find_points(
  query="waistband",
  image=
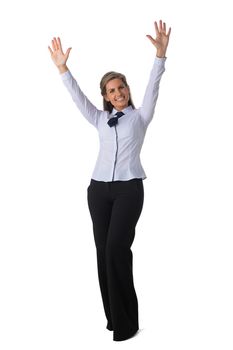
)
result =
(117, 181)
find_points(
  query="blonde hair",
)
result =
(106, 78)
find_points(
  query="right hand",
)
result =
(57, 55)
(161, 40)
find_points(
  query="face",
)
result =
(117, 93)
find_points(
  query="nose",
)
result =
(118, 93)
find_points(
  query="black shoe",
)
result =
(109, 327)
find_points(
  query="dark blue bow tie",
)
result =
(113, 121)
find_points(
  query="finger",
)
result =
(169, 32)
(59, 44)
(55, 43)
(164, 27)
(50, 50)
(156, 28)
(160, 25)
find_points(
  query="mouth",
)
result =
(120, 99)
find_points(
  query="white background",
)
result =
(49, 293)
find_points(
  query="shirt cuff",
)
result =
(66, 75)
(160, 59)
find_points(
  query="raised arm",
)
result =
(151, 94)
(89, 111)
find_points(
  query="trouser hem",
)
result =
(118, 337)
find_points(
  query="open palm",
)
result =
(57, 54)
(162, 38)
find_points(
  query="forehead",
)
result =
(114, 83)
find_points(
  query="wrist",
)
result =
(161, 53)
(63, 68)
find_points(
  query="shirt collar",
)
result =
(125, 110)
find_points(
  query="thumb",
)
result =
(68, 52)
(150, 38)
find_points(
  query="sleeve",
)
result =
(88, 110)
(151, 94)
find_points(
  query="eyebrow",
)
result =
(121, 85)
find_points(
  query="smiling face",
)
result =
(117, 93)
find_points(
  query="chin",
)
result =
(121, 107)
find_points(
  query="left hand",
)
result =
(161, 40)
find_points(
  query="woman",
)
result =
(115, 194)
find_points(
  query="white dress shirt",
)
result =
(120, 145)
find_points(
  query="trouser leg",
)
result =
(100, 208)
(126, 211)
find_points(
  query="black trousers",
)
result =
(115, 208)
